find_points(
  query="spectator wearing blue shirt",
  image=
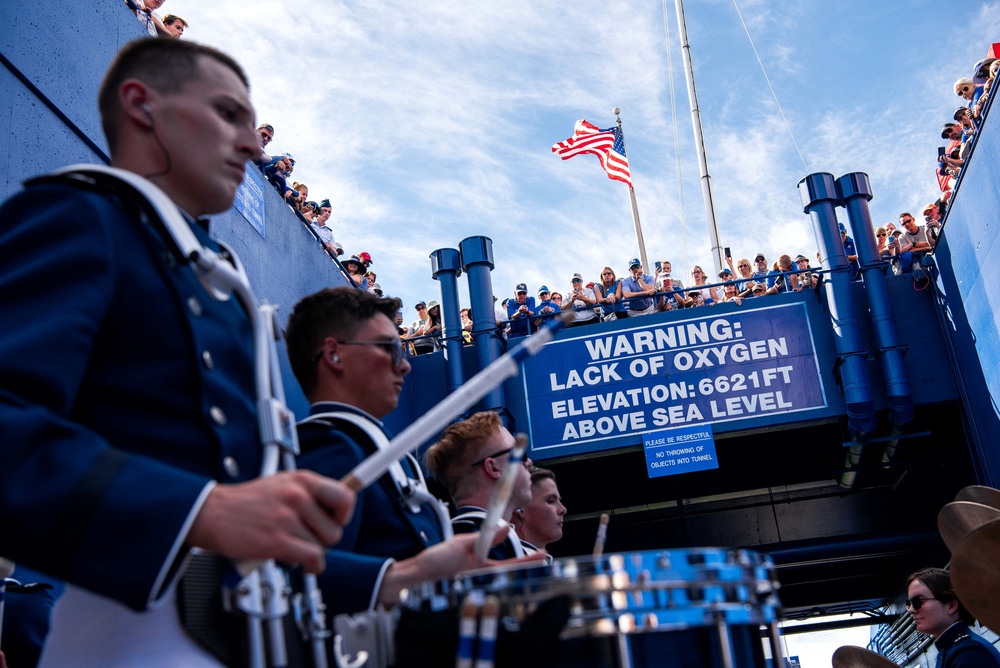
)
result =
(762, 274)
(546, 307)
(785, 281)
(640, 288)
(519, 312)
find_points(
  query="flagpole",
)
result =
(635, 208)
(699, 139)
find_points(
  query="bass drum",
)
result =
(688, 608)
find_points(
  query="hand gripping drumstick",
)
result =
(439, 417)
(500, 497)
(602, 535)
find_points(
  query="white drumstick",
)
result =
(500, 497)
(602, 535)
(439, 417)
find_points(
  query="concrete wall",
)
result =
(62, 49)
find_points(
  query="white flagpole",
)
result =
(631, 196)
(699, 140)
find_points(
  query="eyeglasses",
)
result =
(743, 266)
(526, 463)
(578, 280)
(393, 347)
(907, 222)
(881, 235)
(917, 601)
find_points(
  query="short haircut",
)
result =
(784, 260)
(452, 456)
(165, 65)
(907, 214)
(336, 312)
(938, 581)
(538, 474)
(170, 19)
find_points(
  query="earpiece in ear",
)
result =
(148, 110)
(335, 358)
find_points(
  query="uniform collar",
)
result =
(332, 406)
(952, 635)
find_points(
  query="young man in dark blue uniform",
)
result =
(469, 460)
(345, 350)
(126, 388)
(937, 611)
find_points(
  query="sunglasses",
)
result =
(393, 347)
(577, 280)
(500, 453)
(743, 266)
(917, 601)
(880, 235)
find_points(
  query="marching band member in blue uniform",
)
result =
(937, 611)
(126, 388)
(469, 459)
(345, 350)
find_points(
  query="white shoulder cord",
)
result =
(413, 492)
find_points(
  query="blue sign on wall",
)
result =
(680, 450)
(250, 198)
(602, 391)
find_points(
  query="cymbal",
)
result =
(958, 518)
(849, 656)
(987, 496)
(975, 573)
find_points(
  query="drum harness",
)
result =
(259, 590)
(368, 636)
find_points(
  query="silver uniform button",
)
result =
(232, 468)
(194, 306)
(218, 415)
(206, 358)
(423, 536)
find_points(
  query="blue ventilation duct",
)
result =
(446, 266)
(855, 192)
(819, 197)
(477, 261)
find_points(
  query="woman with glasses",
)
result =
(936, 611)
(709, 295)
(609, 295)
(744, 271)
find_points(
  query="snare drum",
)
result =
(689, 607)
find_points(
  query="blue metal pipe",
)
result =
(446, 266)
(855, 192)
(477, 261)
(819, 197)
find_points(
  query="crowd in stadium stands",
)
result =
(636, 293)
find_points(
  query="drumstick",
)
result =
(488, 632)
(602, 535)
(6, 569)
(500, 497)
(466, 634)
(439, 417)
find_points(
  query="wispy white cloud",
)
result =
(429, 122)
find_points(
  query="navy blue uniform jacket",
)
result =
(381, 529)
(123, 388)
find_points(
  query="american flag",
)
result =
(608, 145)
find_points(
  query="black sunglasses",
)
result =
(917, 601)
(393, 347)
(499, 453)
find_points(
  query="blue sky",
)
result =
(429, 122)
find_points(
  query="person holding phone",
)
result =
(576, 299)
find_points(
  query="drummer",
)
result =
(936, 610)
(345, 350)
(469, 460)
(540, 521)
